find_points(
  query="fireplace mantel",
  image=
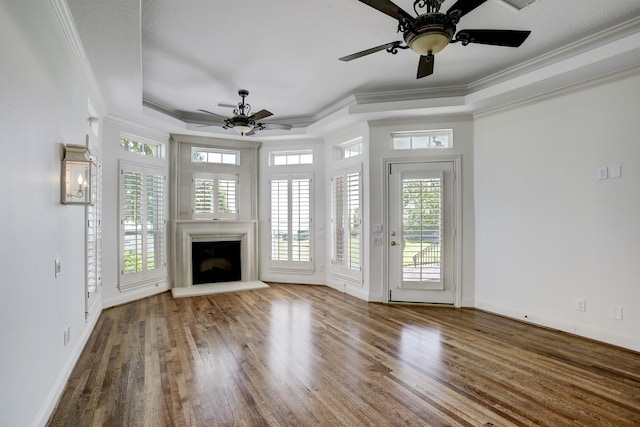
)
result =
(189, 231)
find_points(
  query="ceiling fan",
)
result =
(242, 121)
(431, 31)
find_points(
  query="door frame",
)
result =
(456, 215)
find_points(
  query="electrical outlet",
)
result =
(616, 312)
(581, 305)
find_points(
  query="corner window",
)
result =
(431, 139)
(290, 222)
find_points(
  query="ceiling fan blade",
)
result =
(223, 118)
(389, 8)
(462, 7)
(425, 66)
(370, 51)
(275, 126)
(261, 115)
(508, 38)
(223, 105)
(251, 132)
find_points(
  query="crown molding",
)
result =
(68, 26)
(562, 91)
(566, 52)
(131, 125)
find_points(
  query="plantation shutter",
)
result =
(300, 219)
(346, 224)
(132, 220)
(155, 220)
(203, 196)
(227, 196)
(94, 241)
(143, 225)
(338, 220)
(280, 220)
(215, 196)
(290, 220)
(352, 240)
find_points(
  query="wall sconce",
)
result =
(77, 174)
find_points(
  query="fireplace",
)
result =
(214, 262)
(215, 256)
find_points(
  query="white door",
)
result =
(421, 232)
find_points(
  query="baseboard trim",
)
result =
(51, 402)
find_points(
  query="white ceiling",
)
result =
(178, 56)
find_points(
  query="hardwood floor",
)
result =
(298, 355)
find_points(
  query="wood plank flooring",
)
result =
(296, 355)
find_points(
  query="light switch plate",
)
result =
(603, 173)
(377, 228)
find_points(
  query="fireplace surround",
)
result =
(190, 231)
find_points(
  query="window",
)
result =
(140, 146)
(423, 139)
(346, 224)
(290, 221)
(143, 225)
(215, 155)
(215, 196)
(350, 149)
(282, 158)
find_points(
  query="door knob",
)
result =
(393, 243)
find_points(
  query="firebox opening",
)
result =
(214, 262)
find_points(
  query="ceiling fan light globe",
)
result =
(427, 43)
(242, 128)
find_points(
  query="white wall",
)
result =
(380, 147)
(43, 105)
(548, 230)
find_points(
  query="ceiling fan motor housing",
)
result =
(429, 33)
